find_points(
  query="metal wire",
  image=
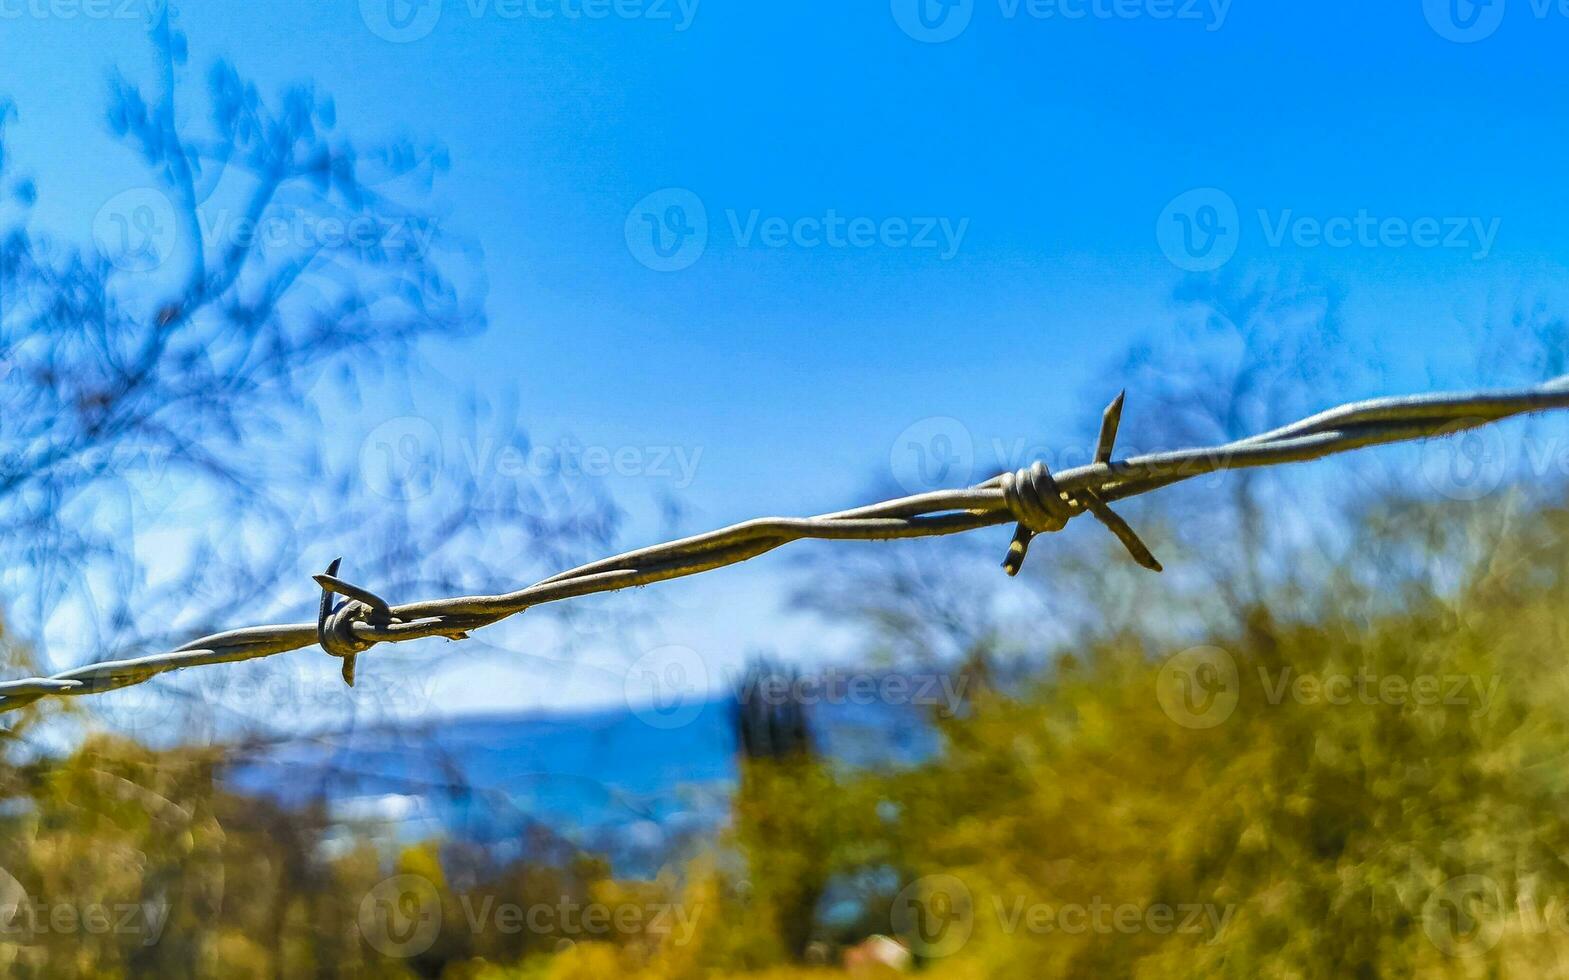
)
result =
(1035, 499)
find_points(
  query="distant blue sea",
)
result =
(603, 781)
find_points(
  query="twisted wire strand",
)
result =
(1034, 499)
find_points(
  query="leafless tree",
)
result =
(1242, 353)
(179, 405)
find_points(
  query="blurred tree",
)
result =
(190, 380)
(1243, 353)
(787, 846)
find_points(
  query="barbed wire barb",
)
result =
(1034, 499)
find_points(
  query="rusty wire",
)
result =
(1034, 499)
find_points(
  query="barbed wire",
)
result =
(1034, 499)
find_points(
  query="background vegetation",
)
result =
(1383, 825)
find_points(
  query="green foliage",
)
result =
(1371, 795)
(1375, 788)
(1378, 789)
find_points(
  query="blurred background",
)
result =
(470, 292)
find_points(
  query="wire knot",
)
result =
(1035, 500)
(337, 632)
(1040, 506)
(335, 623)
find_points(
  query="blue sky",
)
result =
(1014, 205)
